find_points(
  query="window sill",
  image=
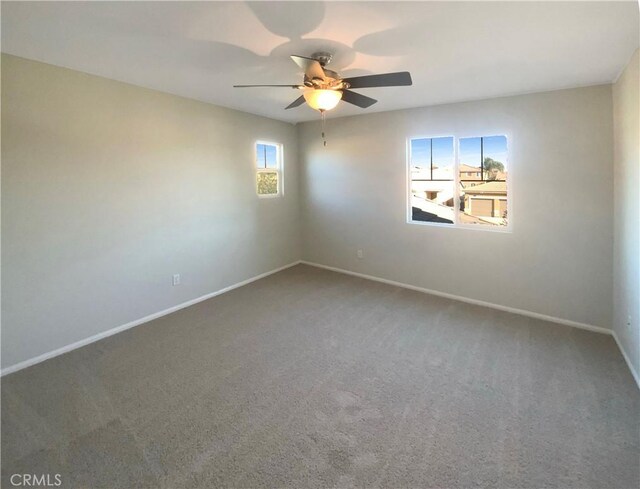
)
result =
(496, 229)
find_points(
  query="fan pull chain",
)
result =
(324, 139)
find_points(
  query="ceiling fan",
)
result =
(324, 88)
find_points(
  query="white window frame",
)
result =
(456, 197)
(279, 168)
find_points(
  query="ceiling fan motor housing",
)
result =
(322, 57)
(331, 80)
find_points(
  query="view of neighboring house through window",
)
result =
(269, 167)
(479, 173)
(483, 196)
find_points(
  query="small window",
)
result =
(432, 180)
(268, 169)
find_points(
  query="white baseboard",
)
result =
(627, 359)
(151, 317)
(523, 312)
(137, 322)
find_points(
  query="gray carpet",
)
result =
(313, 379)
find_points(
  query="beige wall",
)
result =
(626, 107)
(109, 189)
(558, 259)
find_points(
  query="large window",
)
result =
(268, 169)
(464, 188)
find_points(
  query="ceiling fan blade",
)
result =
(253, 86)
(297, 102)
(399, 79)
(357, 99)
(312, 67)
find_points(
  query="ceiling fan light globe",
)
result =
(322, 99)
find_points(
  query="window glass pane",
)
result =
(484, 202)
(260, 156)
(267, 182)
(470, 157)
(442, 158)
(421, 158)
(432, 185)
(266, 156)
(495, 157)
(271, 156)
(432, 201)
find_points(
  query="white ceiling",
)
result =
(455, 51)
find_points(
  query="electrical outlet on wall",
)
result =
(176, 279)
(360, 254)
